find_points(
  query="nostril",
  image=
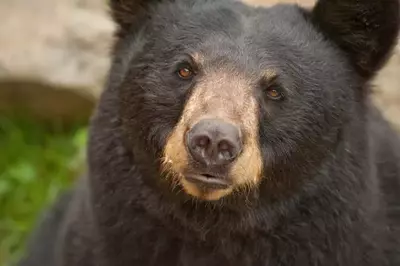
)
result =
(201, 141)
(199, 145)
(227, 150)
(224, 146)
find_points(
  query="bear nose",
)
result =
(214, 142)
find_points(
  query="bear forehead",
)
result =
(222, 22)
(235, 31)
(232, 35)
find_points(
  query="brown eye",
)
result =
(185, 72)
(274, 93)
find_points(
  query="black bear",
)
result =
(237, 135)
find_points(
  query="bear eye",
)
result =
(275, 93)
(185, 72)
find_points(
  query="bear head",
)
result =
(224, 99)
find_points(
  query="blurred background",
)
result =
(54, 56)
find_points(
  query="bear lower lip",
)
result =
(208, 181)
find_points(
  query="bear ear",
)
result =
(127, 12)
(366, 30)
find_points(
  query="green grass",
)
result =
(37, 162)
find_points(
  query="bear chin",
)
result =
(204, 193)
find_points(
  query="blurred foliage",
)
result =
(37, 161)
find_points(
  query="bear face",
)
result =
(227, 99)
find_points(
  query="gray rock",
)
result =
(387, 89)
(61, 47)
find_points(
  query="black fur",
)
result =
(357, 29)
(330, 195)
(48, 227)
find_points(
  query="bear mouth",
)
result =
(208, 181)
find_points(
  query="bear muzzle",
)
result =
(213, 150)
